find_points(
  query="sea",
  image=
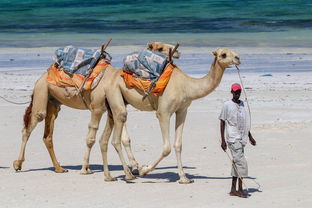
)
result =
(195, 24)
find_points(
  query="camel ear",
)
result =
(215, 53)
(150, 46)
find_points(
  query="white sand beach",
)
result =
(281, 162)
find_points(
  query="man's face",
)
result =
(236, 94)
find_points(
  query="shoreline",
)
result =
(194, 60)
(291, 38)
(186, 48)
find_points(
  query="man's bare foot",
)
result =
(239, 194)
(244, 193)
(234, 193)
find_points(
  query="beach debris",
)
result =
(289, 53)
(266, 75)
(12, 59)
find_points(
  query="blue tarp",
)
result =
(145, 64)
(77, 60)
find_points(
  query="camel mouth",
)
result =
(236, 62)
(176, 55)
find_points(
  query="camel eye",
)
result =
(223, 55)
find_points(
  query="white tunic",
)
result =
(236, 122)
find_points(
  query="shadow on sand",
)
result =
(169, 177)
(93, 167)
(253, 190)
(96, 168)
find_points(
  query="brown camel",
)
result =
(177, 97)
(45, 105)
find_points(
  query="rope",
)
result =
(239, 176)
(238, 71)
(17, 103)
(233, 163)
(246, 99)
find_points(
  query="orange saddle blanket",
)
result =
(59, 78)
(144, 85)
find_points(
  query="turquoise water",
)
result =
(223, 23)
(34, 23)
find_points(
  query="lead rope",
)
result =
(234, 166)
(240, 78)
(232, 161)
(9, 101)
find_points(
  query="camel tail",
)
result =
(27, 115)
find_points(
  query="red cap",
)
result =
(236, 87)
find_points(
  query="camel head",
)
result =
(226, 57)
(162, 48)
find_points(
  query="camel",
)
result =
(45, 105)
(176, 98)
(163, 48)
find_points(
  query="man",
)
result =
(233, 118)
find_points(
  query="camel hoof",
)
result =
(86, 171)
(143, 170)
(17, 164)
(135, 172)
(61, 170)
(129, 177)
(110, 179)
(186, 181)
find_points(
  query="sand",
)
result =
(281, 162)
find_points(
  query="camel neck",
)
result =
(201, 87)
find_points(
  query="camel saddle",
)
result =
(147, 71)
(77, 68)
(146, 64)
(78, 60)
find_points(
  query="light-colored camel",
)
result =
(163, 48)
(177, 97)
(45, 105)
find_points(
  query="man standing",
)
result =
(233, 118)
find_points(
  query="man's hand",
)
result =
(222, 127)
(223, 145)
(252, 141)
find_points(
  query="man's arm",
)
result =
(222, 127)
(251, 139)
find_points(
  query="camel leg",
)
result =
(104, 145)
(120, 117)
(17, 164)
(90, 140)
(52, 112)
(125, 139)
(37, 112)
(180, 120)
(164, 121)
